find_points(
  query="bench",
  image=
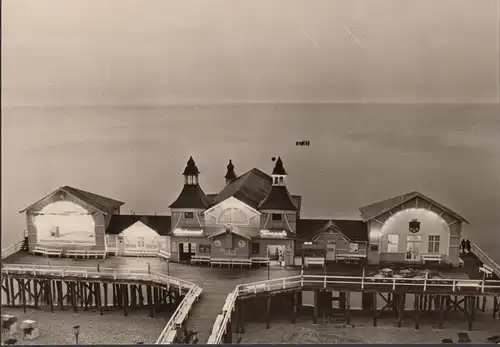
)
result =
(96, 254)
(230, 261)
(350, 256)
(163, 254)
(48, 251)
(432, 257)
(140, 253)
(487, 270)
(75, 253)
(200, 259)
(469, 284)
(315, 261)
(260, 260)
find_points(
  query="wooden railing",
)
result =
(485, 259)
(9, 250)
(356, 283)
(220, 325)
(168, 334)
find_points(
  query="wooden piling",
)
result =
(150, 302)
(441, 311)
(294, 307)
(105, 289)
(124, 297)
(49, 287)
(98, 297)
(73, 295)
(374, 308)
(268, 311)
(347, 311)
(416, 309)
(60, 297)
(401, 299)
(472, 311)
(316, 306)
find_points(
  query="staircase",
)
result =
(25, 245)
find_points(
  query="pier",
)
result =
(217, 315)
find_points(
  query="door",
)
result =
(185, 251)
(120, 246)
(330, 250)
(413, 243)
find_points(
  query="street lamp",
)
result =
(268, 266)
(76, 331)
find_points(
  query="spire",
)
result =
(191, 172)
(279, 168)
(230, 174)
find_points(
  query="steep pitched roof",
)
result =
(191, 196)
(120, 222)
(191, 168)
(354, 230)
(278, 199)
(250, 188)
(102, 203)
(279, 169)
(380, 207)
(230, 174)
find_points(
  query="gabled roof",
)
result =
(102, 203)
(243, 231)
(278, 199)
(376, 209)
(191, 196)
(354, 230)
(120, 222)
(250, 188)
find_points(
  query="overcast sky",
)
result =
(149, 52)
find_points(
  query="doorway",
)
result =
(330, 250)
(186, 250)
(120, 247)
(276, 254)
(413, 243)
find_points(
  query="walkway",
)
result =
(216, 282)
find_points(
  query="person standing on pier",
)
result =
(462, 246)
(467, 245)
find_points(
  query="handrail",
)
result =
(134, 273)
(485, 258)
(302, 280)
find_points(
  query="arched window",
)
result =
(232, 216)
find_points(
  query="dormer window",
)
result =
(275, 180)
(277, 216)
(281, 180)
(188, 215)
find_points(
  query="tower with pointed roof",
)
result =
(230, 174)
(279, 207)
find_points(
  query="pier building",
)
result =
(254, 219)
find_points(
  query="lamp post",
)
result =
(168, 267)
(268, 266)
(76, 331)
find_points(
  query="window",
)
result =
(140, 242)
(188, 215)
(204, 248)
(185, 247)
(193, 247)
(232, 216)
(255, 248)
(374, 247)
(392, 243)
(281, 180)
(277, 216)
(434, 243)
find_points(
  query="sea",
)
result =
(357, 154)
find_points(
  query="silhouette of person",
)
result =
(467, 245)
(462, 246)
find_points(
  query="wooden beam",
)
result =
(294, 307)
(124, 293)
(348, 308)
(73, 296)
(22, 287)
(374, 308)
(7, 289)
(60, 297)
(376, 220)
(455, 221)
(416, 309)
(98, 297)
(268, 311)
(13, 295)
(441, 312)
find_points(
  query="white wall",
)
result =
(430, 224)
(133, 234)
(75, 224)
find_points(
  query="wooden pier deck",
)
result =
(217, 283)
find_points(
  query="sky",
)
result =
(157, 52)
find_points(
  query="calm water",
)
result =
(358, 154)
